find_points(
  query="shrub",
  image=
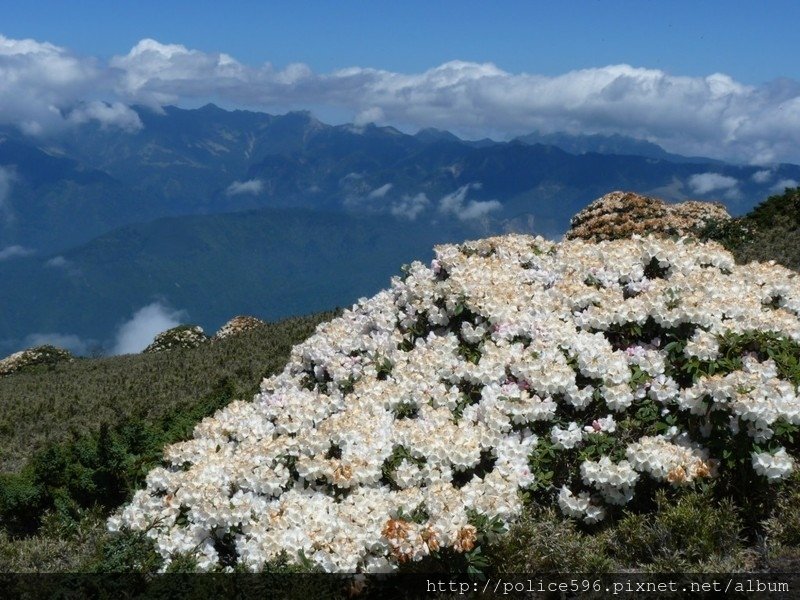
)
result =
(588, 376)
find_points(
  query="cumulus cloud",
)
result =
(251, 186)
(762, 176)
(456, 204)
(107, 115)
(137, 333)
(712, 115)
(380, 192)
(409, 207)
(14, 252)
(703, 183)
(40, 82)
(781, 185)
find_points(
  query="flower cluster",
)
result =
(397, 423)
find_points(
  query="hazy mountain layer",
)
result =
(271, 263)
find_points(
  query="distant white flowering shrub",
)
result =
(182, 336)
(574, 371)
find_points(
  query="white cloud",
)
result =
(712, 115)
(14, 252)
(703, 183)
(70, 342)
(251, 186)
(156, 74)
(409, 207)
(380, 192)
(454, 204)
(136, 334)
(781, 185)
(374, 114)
(57, 262)
(762, 176)
(62, 264)
(115, 114)
(40, 81)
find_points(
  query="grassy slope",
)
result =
(52, 404)
(689, 531)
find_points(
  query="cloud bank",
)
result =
(409, 207)
(706, 183)
(703, 183)
(455, 204)
(43, 86)
(15, 251)
(251, 186)
(781, 185)
(137, 333)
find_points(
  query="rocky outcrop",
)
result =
(623, 214)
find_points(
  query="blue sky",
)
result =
(714, 78)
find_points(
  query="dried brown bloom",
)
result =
(624, 214)
(467, 537)
(429, 537)
(677, 475)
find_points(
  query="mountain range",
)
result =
(221, 212)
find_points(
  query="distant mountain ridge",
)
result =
(609, 144)
(67, 190)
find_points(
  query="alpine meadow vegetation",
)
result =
(517, 405)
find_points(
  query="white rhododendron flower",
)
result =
(403, 424)
(773, 466)
(566, 438)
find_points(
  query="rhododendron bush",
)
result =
(510, 368)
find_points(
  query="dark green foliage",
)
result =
(100, 469)
(399, 453)
(406, 410)
(771, 231)
(130, 552)
(545, 541)
(686, 530)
